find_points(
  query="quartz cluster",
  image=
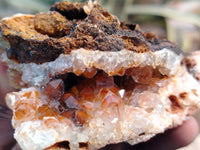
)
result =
(88, 80)
(75, 112)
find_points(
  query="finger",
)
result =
(186, 133)
(6, 130)
(4, 84)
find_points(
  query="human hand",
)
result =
(6, 131)
(4, 84)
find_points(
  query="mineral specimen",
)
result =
(88, 80)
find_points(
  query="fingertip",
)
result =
(186, 133)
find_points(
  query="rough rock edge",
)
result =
(113, 63)
(29, 45)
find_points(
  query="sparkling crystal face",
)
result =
(77, 99)
(54, 90)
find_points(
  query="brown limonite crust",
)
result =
(43, 37)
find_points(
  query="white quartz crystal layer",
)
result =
(113, 63)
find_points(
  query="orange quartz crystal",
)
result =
(81, 117)
(77, 104)
(103, 80)
(54, 90)
(70, 101)
(90, 72)
(87, 93)
(24, 111)
(45, 111)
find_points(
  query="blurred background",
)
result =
(176, 20)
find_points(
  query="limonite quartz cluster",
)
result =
(87, 80)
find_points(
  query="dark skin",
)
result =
(172, 139)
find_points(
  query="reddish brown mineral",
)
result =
(69, 101)
(43, 37)
(54, 90)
